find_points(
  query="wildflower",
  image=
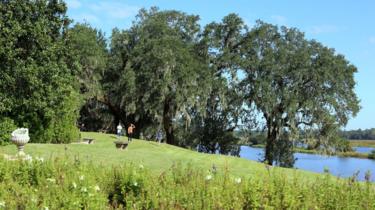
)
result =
(51, 180)
(83, 189)
(141, 166)
(29, 159)
(237, 180)
(96, 188)
(135, 183)
(2, 204)
(74, 185)
(81, 177)
(40, 159)
(209, 177)
(46, 208)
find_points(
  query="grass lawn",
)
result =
(156, 157)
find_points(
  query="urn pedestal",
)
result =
(20, 137)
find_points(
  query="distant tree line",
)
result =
(359, 134)
(199, 84)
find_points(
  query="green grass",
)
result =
(362, 143)
(148, 175)
(157, 157)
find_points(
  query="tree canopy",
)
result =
(296, 84)
(36, 85)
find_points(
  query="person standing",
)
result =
(159, 135)
(119, 130)
(130, 131)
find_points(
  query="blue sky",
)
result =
(347, 26)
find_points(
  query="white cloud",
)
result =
(323, 29)
(372, 40)
(74, 4)
(279, 19)
(115, 9)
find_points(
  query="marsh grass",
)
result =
(362, 143)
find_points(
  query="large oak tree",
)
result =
(296, 84)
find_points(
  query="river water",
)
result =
(338, 166)
(363, 149)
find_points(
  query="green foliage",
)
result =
(359, 134)
(61, 183)
(155, 72)
(88, 48)
(6, 127)
(296, 84)
(212, 130)
(342, 145)
(36, 85)
(372, 155)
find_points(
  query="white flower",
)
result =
(209, 177)
(96, 188)
(51, 180)
(2, 204)
(141, 166)
(81, 177)
(74, 185)
(40, 159)
(237, 180)
(29, 159)
(135, 183)
(84, 189)
(46, 208)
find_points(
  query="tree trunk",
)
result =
(167, 122)
(272, 134)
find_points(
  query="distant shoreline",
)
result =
(340, 154)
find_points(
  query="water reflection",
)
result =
(338, 166)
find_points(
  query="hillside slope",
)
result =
(157, 157)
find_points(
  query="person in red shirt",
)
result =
(130, 131)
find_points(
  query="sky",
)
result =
(345, 25)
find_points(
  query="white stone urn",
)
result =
(20, 137)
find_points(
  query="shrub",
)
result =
(372, 154)
(6, 127)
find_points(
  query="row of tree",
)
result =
(366, 134)
(198, 84)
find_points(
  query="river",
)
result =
(363, 149)
(338, 166)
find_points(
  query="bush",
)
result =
(6, 127)
(372, 154)
(62, 183)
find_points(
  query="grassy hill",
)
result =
(157, 157)
(148, 175)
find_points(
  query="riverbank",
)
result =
(340, 154)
